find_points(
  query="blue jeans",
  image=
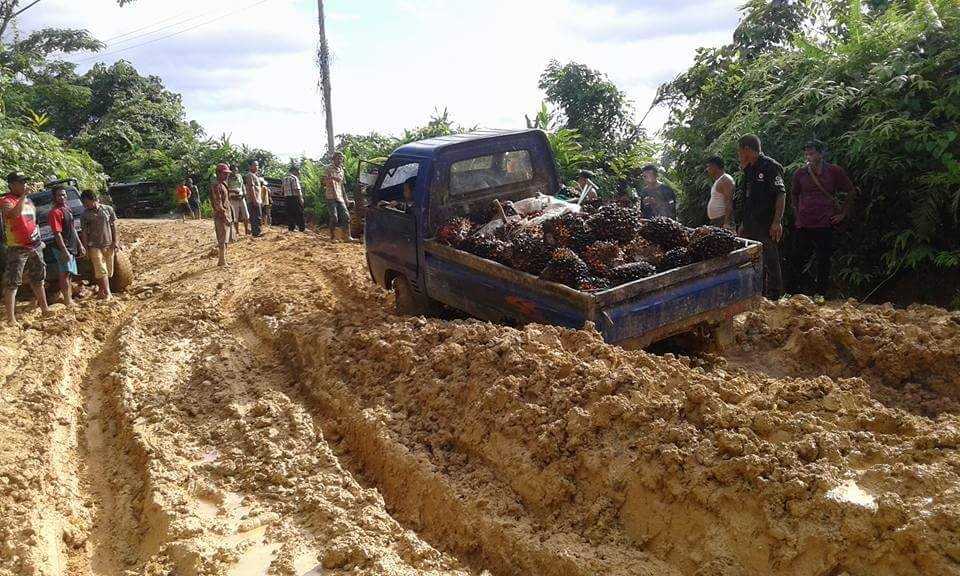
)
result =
(338, 215)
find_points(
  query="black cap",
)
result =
(15, 177)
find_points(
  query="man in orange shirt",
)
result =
(183, 201)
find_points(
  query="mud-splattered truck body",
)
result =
(460, 174)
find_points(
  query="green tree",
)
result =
(878, 82)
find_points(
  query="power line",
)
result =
(142, 28)
(179, 32)
(113, 42)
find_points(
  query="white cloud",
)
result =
(252, 74)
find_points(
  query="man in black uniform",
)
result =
(764, 198)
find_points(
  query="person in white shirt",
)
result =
(336, 200)
(293, 197)
(720, 207)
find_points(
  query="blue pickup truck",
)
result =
(456, 175)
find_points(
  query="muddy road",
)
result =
(274, 417)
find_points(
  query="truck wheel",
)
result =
(122, 272)
(405, 300)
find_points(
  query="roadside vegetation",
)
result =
(877, 80)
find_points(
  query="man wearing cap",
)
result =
(23, 248)
(815, 194)
(251, 185)
(220, 202)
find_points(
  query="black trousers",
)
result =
(772, 277)
(816, 243)
(255, 218)
(295, 215)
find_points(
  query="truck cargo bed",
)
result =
(637, 313)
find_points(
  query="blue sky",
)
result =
(251, 72)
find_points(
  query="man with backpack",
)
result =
(815, 194)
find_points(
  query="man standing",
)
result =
(266, 203)
(194, 199)
(68, 246)
(658, 199)
(251, 185)
(293, 196)
(98, 231)
(764, 198)
(23, 247)
(720, 207)
(237, 201)
(183, 200)
(338, 217)
(220, 202)
(814, 193)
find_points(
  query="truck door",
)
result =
(391, 220)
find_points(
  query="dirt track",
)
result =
(275, 418)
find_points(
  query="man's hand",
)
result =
(301, 201)
(81, 252)
(837, 218)
(776, 231)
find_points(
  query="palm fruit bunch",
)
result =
(595, 284)
(642, 250)
(531, 253)
(591, 206)
(569, 231)
(454, 232)
(709, 242)
(486, 247)
(565, 267)
(676, 258)
(612, 222)
(513, 230)
(602, 256)
(665, 233)
(629, 272)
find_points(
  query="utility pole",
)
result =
(325, 80)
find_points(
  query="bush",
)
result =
(39, 155)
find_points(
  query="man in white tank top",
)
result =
(720, 207)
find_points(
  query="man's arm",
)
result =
(844, 183)
(113, 230)
(83, 239)
(725, 187)
(778, 188)
(56, 226)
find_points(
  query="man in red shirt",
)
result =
(68, 246)
(23, 247)
(815, 193)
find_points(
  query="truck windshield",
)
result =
(491, 171)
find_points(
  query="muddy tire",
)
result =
(122, 272)
(404, 298)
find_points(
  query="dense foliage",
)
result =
(879, 82)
